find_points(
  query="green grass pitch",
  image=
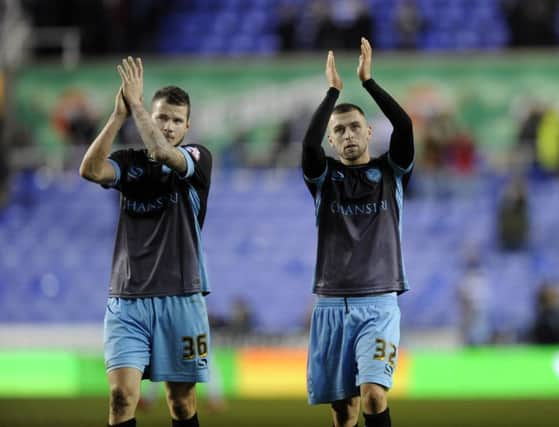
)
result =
(275, 413)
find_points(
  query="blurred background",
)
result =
(481, 218)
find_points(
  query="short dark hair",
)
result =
(173, 95)
(346, 108)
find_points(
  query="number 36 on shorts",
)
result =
(195, 345)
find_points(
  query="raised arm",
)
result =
(95, 166)
(314, 160)
(401, 141)
(132, 74)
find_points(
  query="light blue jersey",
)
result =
(353, 341)
(165, 338)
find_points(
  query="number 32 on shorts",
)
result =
(381, 350)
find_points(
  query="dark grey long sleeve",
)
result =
(314, 159)
(401, 141)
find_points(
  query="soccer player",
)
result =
(354, 336)
(156, 322)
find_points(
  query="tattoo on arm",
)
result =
(151, 136)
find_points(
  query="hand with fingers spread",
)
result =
(365, 60)
(332, 75)
(132, 75)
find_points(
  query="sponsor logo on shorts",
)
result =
(388, 369)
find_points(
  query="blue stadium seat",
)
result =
(481, 21)
(261, 250)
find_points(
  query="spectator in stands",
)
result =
(354, 20)
(283, 141)
(241, 321)
(474, 299)
(531, 23)
(433, 158)
(512, 216)
(461, 153)
(547, 143)
(75, 117)
(448, 157)
(339, 24)
(287, 27)
(326, 33)
(236, 153)
(408, 23)
(136, 23)
(285, 153)
(545, 329)
(432, 154)
(530, 120)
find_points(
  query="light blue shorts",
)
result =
(165, 338)
(353, 341)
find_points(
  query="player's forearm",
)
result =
(319, 122)
(151, 136)
(401, 142)
(97, 153)
(314, 160)
(390, 108)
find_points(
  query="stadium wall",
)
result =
(230, 96)
(277, 372)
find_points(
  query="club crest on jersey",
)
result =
(194, 152)
(373, 175)
(135, 172)
(337, 176)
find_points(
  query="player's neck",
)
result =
(363, 160)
